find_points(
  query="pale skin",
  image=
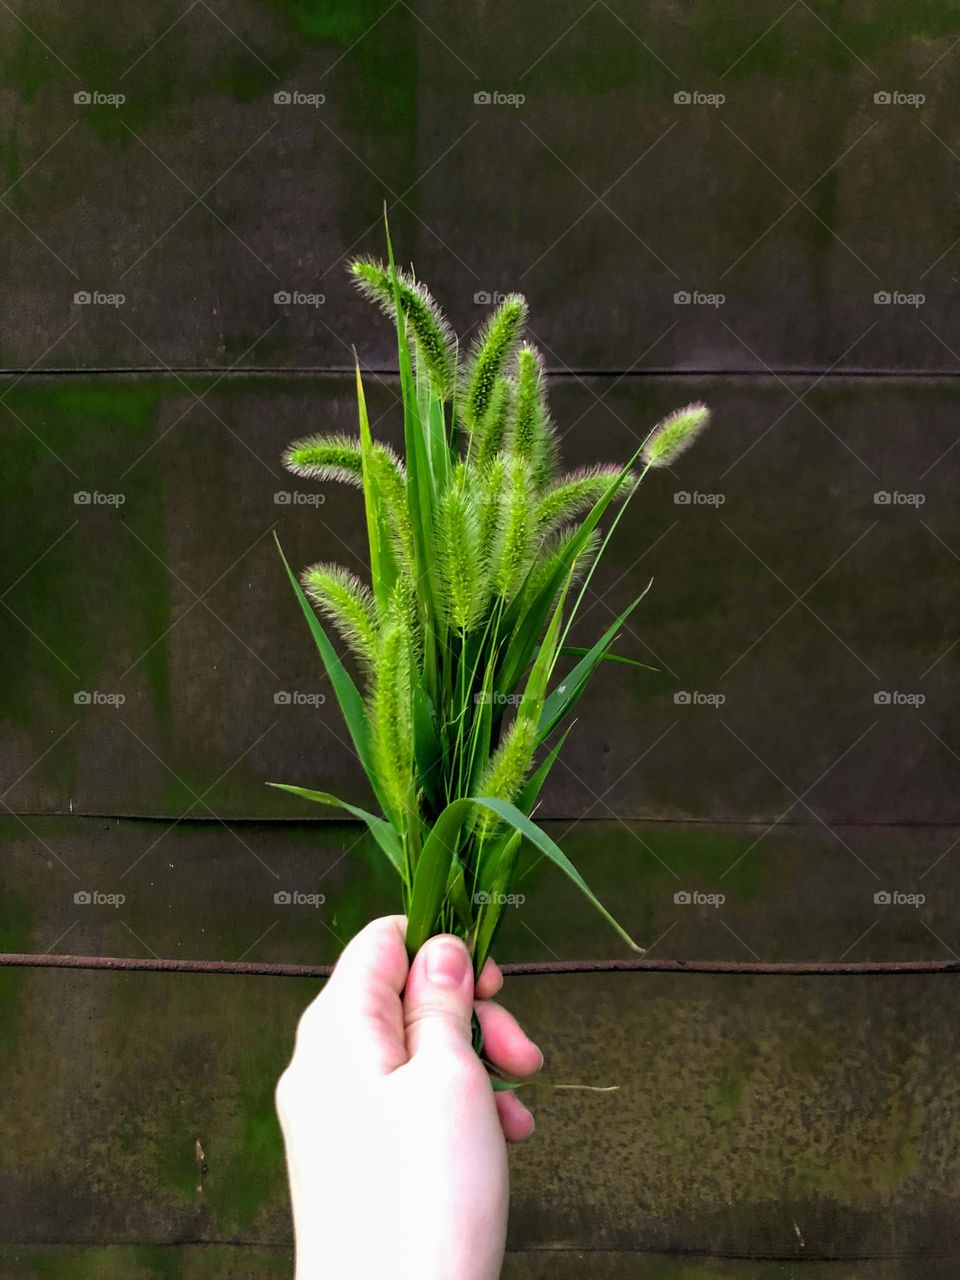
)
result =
(396, 1144)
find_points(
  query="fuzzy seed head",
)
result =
(528, 415)
(576, 493)
(431, 335)
(348, 603)
(335, 457)
(556, 551)
(489, 356)
(515, 545)
(392, 486)
(492, 430)
(508, 769)
(462, 572)
(391, 714)
(674, 434)
(493, 482)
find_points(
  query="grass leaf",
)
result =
(381, 830)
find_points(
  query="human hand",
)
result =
(396, 1143)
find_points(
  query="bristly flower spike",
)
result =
(674, 434)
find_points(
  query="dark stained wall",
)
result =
(751, 204)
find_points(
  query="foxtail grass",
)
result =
(481, 551)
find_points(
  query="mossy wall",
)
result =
(740, 203)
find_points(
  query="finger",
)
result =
(505, 1042)
(438, 1000)
(515, 1120)
(358, 1014)
(490, 980)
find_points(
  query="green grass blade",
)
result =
(540, 840)
(562, 699)
(492, 912)
(579, 650)
(457, 894)
(383, 564)
(426, 745)
(433, 872)
(347, 694)
(379, 828)
(530, 792)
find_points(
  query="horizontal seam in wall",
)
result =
(219, 819)
(218, 371)
(533, 1250)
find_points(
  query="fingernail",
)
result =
(447, 963)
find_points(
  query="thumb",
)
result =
(438, 1000)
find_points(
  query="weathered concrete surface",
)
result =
(798, 199)
(798, 600)
(749, 1110)
(206, 891)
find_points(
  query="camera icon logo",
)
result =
(82, 498)
(82, 898)
(282, 98)
(282, 698)
(681, 698)
(881, 498)
(481, 298)
(882, 298)
(282, 298)
(482, 99)
(882, 898)
(281, 498)
(82, 298)
(482, 899)
(882, 98)
(82, 698)
(682, 498)
(681, 298)
(281, 898)
(882, 698)
(682, 898)
(83, 98)
(682, 98)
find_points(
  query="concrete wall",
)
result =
(764, 1127)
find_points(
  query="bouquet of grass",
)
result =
(481, 553)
